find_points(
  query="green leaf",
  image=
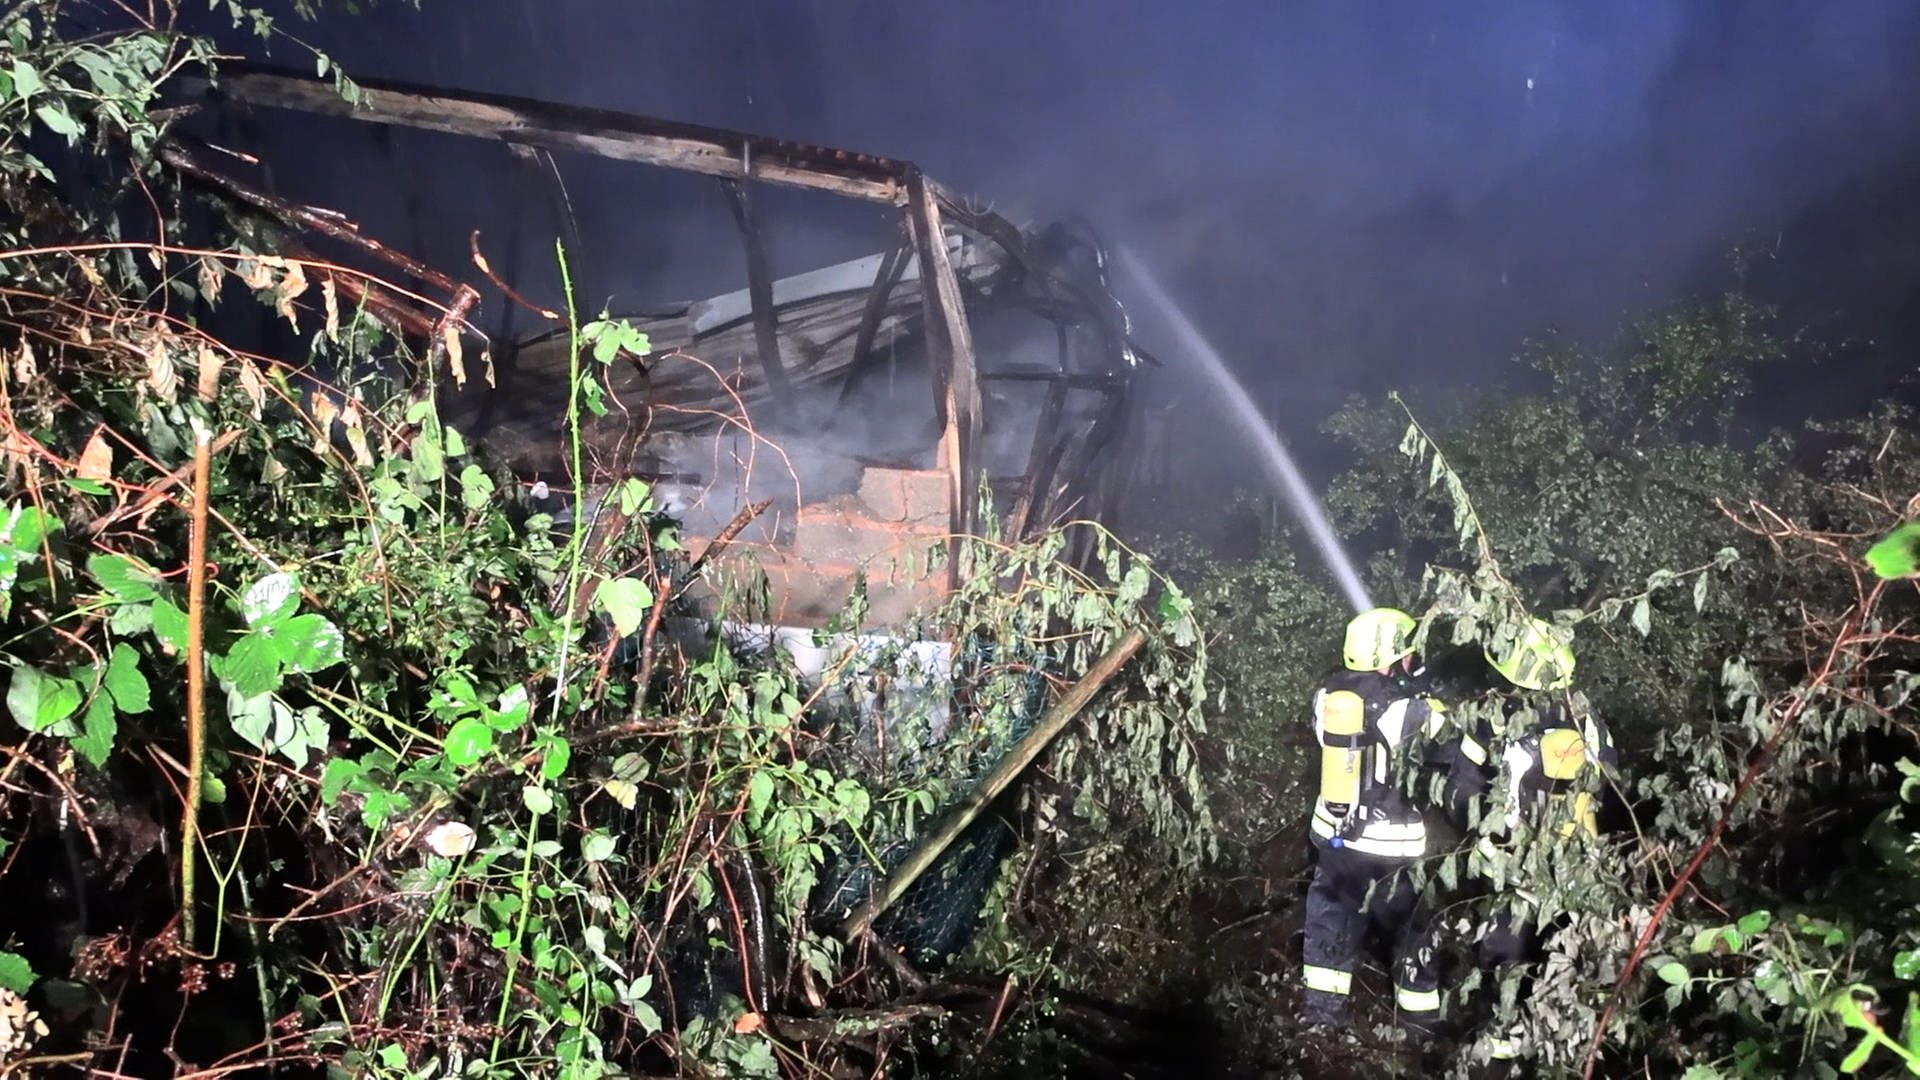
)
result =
(253, 665)
(131, 694)
(58, 120)
(1673, 972)
(1755, 922)
(635, 496)
(469, 740)
(98, 730)
(337, 776)
(429, 460)
(15, 973)
(41, 702)
(131, 620)
(392, 1055)
(169, 624)
(1897, 555)
(553, 765)
(24, 528)
(536, 799)
(476, 488)
(511, 711)
(308, 643)
(626, 600)
(128, 580)
(1642, 617)
(270, 599)
(759, 794)
(381, 804)
(1906, 963)
(1856, 1059)
(597, 847)
(307, 733)
(26, 79)
(254, 716)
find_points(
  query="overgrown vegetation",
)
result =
(331, 751)
(417, 781)
(1754, 892)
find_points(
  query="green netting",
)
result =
(943, 736)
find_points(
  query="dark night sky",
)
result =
(1351, 196)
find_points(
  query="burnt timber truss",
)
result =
(1060, 464)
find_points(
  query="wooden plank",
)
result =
(766, 327)
(1050, 725)
(605, 133)
(884, 281)
(958, 397)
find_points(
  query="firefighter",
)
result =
(1549, 756)
(1365, 832)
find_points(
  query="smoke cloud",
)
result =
(1347, 197)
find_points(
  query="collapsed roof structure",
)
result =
(1037, 417)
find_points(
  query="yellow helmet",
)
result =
(1378, 638)
(1538, 660)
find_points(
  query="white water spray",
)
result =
(1305, 505)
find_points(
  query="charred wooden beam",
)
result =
(884, 280)
(766, 328)
(958, 389)
(601, 132)
(892, 267)
(176, 153)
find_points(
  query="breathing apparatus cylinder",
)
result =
(1343, 722)
(1563, 759)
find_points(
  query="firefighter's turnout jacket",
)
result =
(1366, 724)
(1366, 835)
(1549, 765)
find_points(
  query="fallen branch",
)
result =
(852, 1023)
(1055, 720)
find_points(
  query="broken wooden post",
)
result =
(1051, 724)
(959, 403)
(766, 330)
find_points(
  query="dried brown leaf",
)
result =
(212, 278)
(96, 461)
(25, 367)
(290, 289)
(256, 273)
(451, 335)
(329, 295)
(209, 363)
(325, 412)
(254, 386)
(160, 374)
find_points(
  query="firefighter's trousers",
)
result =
(1510, 939)
(1339, 912)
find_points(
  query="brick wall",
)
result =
(888, 528)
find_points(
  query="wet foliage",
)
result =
(337, 749)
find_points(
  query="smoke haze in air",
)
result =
(1346, 197)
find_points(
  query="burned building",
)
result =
(872, 401)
